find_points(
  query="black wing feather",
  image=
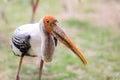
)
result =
(22, 42)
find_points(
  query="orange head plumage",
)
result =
(49, 22)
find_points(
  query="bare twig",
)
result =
(34, 7)
(2, 13)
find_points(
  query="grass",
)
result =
(101, 47)
(106, 46)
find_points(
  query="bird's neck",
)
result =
(48, 46)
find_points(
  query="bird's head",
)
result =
(50, 24)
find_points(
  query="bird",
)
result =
(39, 40)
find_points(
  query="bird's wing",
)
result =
(21, 41)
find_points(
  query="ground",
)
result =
(93, 25)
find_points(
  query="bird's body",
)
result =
(39, 40)
(32, 32)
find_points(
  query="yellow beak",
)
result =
(62, 37)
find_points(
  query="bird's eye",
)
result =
(47, 21)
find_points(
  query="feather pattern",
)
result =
(21, 41)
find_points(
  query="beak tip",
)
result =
(85, 62)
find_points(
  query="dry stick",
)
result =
(2, 13)
(79, 0)
(34, 7)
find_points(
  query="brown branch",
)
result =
(2, 13)
(34, 7)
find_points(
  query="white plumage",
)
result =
(37, 39)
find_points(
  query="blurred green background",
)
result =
(93, 25)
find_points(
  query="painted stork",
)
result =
(39, 40)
